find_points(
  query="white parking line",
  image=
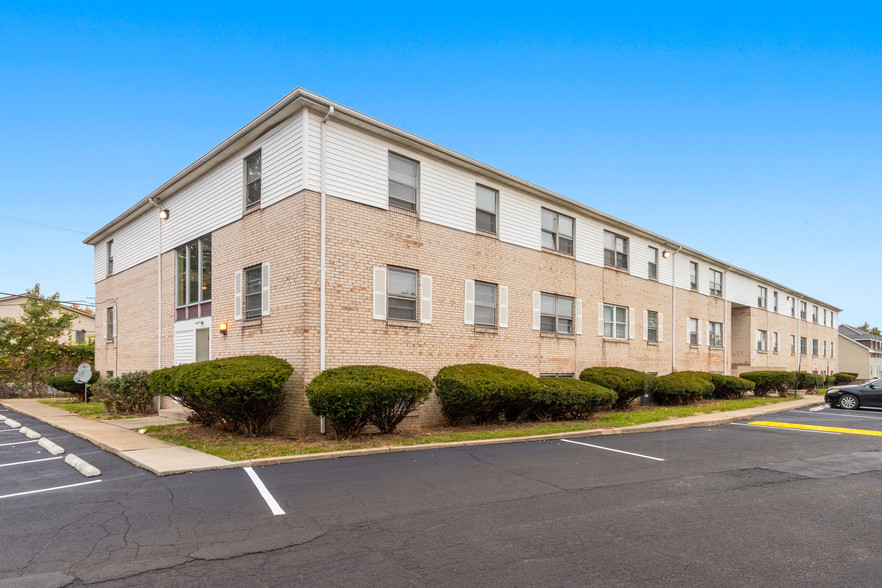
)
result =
(799, 430)
(19, 443)
(5, 465)
(10, 431)
(270, 501)
(839, 414)
(49, 489)
(616, 450)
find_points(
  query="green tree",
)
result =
(871, 330)
(30, 350)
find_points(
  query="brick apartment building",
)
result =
(430, 259)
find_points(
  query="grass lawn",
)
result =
(236, 447)
(91, 410)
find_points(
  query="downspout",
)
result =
(322, 270)
(674, 308)
(726, 325)
(158, 299)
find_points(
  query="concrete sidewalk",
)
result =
(163, 458)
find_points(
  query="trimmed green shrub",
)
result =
(805, 380)
(627, 383)
(727, 387)
(770, 381)
(66, 383)
(353, 396)
(841, 378)
(558, 398)
(126, 394)
(681, 388)
(483, 392)
(240, 393)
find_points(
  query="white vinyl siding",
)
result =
(520, 220)
(356, 166)
(185, 339)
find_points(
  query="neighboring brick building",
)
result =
(432, 259)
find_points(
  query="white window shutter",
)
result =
(426, 299)
(537, 315)
(578, 316)
(723, 334)
(469, 306)
(503, 306)
(237, 297)
(379, 293)
(646, 325)
(600, 319)
(631, 313)
(698, 333)
(114, 321)
(707, 332)
(687, 332)
(661, 321)
(265, 289)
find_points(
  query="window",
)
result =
(110, 257)
(825, 317)
(615, 250)
(825, 349)
(761, 337)
(253, 292)
(401, 301)
(110, 322)
(802, 311)
(774, 342)
(653, 263)
(557, 375)
(693, 275)
(815, 347)
(615, 321)
(403, 182)
(193, 279)
(80, 336)
(716, 283)
(485, 304)
(556, 314)
(557, 231)
(692, 331)
(831, 348)
(775, 301)
(652, 326)
(252, 180)
(762, 298)
(792, 344)
(486, 206)
(793, 307)
(715, 334)
(803, 346)
(814, 313)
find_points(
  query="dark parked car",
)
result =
(850, 397)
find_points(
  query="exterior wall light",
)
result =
(223, 329)
(163, 214)
(666, 254)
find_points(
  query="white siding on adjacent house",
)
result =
(589, 241)
(520, 220)
(282, 163)
(447, 196)
(356, 166)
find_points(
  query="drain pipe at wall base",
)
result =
(322, 271)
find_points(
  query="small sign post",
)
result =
(83, 375)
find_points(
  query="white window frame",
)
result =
(611, 327)
(109, 251)
(399, 296)
(803, 345)
(714, 334)
(693, 325)
(560, 241)
(652, 337)
(616, 250)
(254, 312)
(652, 266)
(816, 348)
(110, 323)
(774, 301)
(715, 285)
(494, 307)
(762, 299)
(774, 341)
(814, 313)
(792, 344)
(404, 204)
(762, 340)
(557, 317)
(494, 214)
(803, 310)
(249, 199)
(693, 275)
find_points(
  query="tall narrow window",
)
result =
(793, 307)
(693, 275)
(558, 231)
(761, 340)
(815, 347)
(716, 282)
(653, 263)
(775, 301)
(692, 326)
(652, 326)
(193, 279)
(715, 334)
(792, 344)
(486, 206)
(402, 294)
(253, 290)
(403, 182)
(825, 317)
(252, 180)
(802, 311)
(814, 313)
(110, 257)
(615, 250)
(803, 346)
(775, 342)
(762, 297)
(110, 322)
(485, 304)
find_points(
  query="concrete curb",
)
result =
(704, 420)
(81, 466)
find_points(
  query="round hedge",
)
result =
(770, 381)
(681, 388)
(627, 383)
(483, 391)
(725, 386)
(353, 396)
(558, 398)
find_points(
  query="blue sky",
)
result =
(750, 133)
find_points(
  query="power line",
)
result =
(24, 220)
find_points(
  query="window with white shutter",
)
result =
(426, 299)
(503, 306)
(237, 297)
(469, 303)
(379, 293)
(265, 289)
